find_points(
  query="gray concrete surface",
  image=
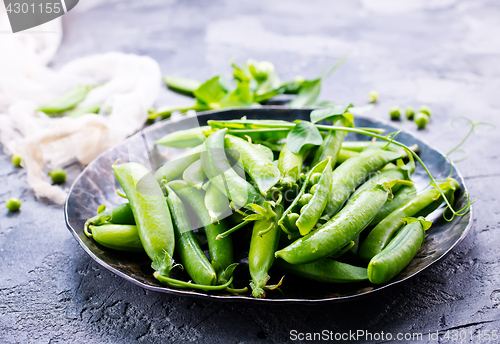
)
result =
(444, 53)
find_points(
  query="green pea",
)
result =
(425, 109)
(395, 112)
(372, 96)
(313, 189)
(302, 209)
(292, 217)
(58, 176)
(410, 112)
(13, 204)
(315, 178)
(305, 199)
(421, 119)
(16, 160)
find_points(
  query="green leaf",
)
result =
(163, 266)
(241, 96)
(329, 113)
(302, 134)
(308, 94)
(210, 91)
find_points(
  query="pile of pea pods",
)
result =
(314, 205)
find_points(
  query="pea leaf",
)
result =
(308, 94)
(210, 91)
(241, 96)
(328, 113)
(302, 134)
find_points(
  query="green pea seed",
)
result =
(372, 96)
(313, 189)
(315, 178)
(292, 218)
(302, 209)
(425, 109)
(16, 160)
(305, 199)
(410, 112)
(421, 119)
(395, 112)
(13, 204)
(58, 176)
(302, 177)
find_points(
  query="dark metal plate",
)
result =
(97, 185)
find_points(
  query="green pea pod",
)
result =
(345, 154)
(351, 173)
(262, 249)
(265, 150)
(83, 110)
(151, 212)
(400, 251)
(220, 250)
(401, 197)
(216, 203)
(270, 134)
(120, 215)
(117, 237)
(387, 176)
(422, 205)
(194, 175)
(66, 101)
(290, 228)
(192, 257)
(312, 211)
(184, 138)
(258, 166)
(339, 230)
(176, 167)
(182, 85)
(290, 165)
(325, 270)
(333, 140)
(359, 146)
(223, 176)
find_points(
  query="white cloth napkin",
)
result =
(128, 86)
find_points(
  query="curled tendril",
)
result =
(473, 125)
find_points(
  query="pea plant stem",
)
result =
(380, 137)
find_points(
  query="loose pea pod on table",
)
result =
(66, 101)
(399, 252)
(421, 205)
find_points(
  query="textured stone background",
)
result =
(444, 53)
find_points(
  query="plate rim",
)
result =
(225, 298)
